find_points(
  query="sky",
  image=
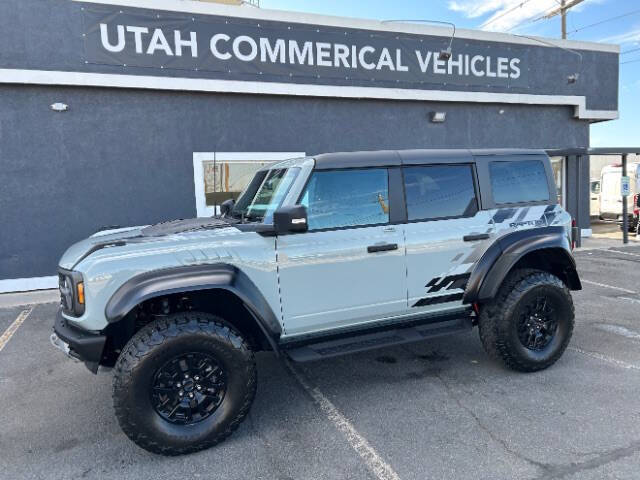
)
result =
(519, 16)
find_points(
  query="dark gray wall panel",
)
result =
(124, 157)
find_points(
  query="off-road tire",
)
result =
(498, 320)
(154, 345)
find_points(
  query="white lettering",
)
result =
(474, 70)
(137, 36)
(341, 56)
(275, 54)
(489, 72)
(323, 54)
(301, 57)
(424, 62)
(399, 66)
(503, 67)
(214, 46)
(363, 51)
(515, 73)
(245, 57)
(439, 65)
(159, 42)
(385, 61)
(192, 43)
(104, 35)
(452, 63)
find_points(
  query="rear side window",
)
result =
(439, 191)
(347, 198)
(518, 182)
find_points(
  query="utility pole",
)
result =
(562, 10)
(564, 18)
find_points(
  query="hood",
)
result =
(141, 234)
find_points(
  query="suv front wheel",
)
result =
(529, 323)
(183, 383)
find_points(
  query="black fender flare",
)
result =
(190, 278)
(506, 251)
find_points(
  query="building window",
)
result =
(219, 176)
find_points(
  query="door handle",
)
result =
(384, 247)
(475, 236)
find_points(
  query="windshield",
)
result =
(264, 194)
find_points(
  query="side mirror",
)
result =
(290, 219)
(227, 206)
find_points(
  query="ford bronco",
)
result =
(320, 256)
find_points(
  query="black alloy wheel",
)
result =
(529, 323)
(537, 323)
(188, 388)
(184, 383)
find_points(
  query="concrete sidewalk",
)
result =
(9, 300)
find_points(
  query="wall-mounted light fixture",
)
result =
(59, 107)
(438, 117)
(445, 54)
(573, 78)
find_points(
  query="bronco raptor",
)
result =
(318, 257)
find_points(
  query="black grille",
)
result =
(65, 284)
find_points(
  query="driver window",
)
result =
(347, 198)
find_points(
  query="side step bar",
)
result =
(371, 341)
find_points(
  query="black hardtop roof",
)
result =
(390, 158)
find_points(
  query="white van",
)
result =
(610, 198)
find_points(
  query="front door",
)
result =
(349, 267)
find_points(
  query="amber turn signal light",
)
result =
(80, 289)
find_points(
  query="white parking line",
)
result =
(634, 300)
(605, 358)
(8, 333)
(381, 469)
(624, 253)
(608, 286)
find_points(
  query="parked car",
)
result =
(320, 256)
(610, 193)
(594, 204)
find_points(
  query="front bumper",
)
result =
(78, 344)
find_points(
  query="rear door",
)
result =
(445, 234)
(610, 197)
(349, 267)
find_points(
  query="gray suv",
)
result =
(318, 257)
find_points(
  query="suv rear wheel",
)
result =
(529, 323)
(183, 383)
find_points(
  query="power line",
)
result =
(526, 21)
(630, 51)
(604, 21)
(505, 13)
(630, 61)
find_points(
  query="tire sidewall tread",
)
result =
(153, 344)
(496, 322)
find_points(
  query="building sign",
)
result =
(279, 51)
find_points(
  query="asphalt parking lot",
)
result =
(433, 410)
